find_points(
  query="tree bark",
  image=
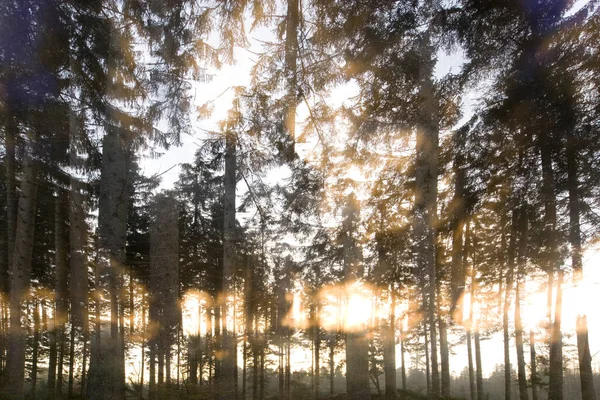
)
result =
(20, 277)
(291, 56)
(555, 388)
(389, 353)
(521, 260)
(534, 377)
(507, 289)
(357, 345)
(478, 367)
(106, 377)
(36, 345)
(522, 377)
(425, 203)
(586, 375)
(226, 381)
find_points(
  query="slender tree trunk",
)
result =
(586, 375)
(470, 324)
(11, 195)
(52, 358)
(478, 367)
(444, 356)
(555, 388)
(106, 377)
(523, 395)
(403, 366)
(291, 56)
(71, 362)
(425, 206)
(521, 260)
(357, 345)
(508, 287)
(226, 378)
(427, 364)
(143, 352)
(331, 368)
(36, 345)
(389, 353)
(60, 315)
(84, 362)
(534, 377)
(20, 276)
(472, 388)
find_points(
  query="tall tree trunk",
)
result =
(444, 351)
(427, 364)
(472, 387)
(71, 363)
(586, 375)
(555, 388)
(60, 315)
(11, 194)
(291, 56)
(36, 345)
(522, 377)
(458, 222)
(425, 205)
(521, 260)
(478, 366)
(389, 351)
(52, 357)
(534, 377)
(331, 368)
(20, 276)
(508, 287)
(106, 377)
(226, 382)
(357, 345)
(403, 366)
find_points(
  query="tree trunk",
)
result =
(444, 356)
(389, 351)
(534, 377)
(291, 56)
(71, 362)
(425, 205)
(106, 377)
(226, 379)
(52, 358)
(143, 352)
(523, 395)
(458, 221)
(60, 315)
(20, 276)
(478, 367)
(403, 366)
(521, 260)
(507, 289)
(472, 388)
(36, 345)
(11, 195)
(357, 345)
(586, 375)
(470, 324)
(331, 368)
(427, 365)
(555, 388)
